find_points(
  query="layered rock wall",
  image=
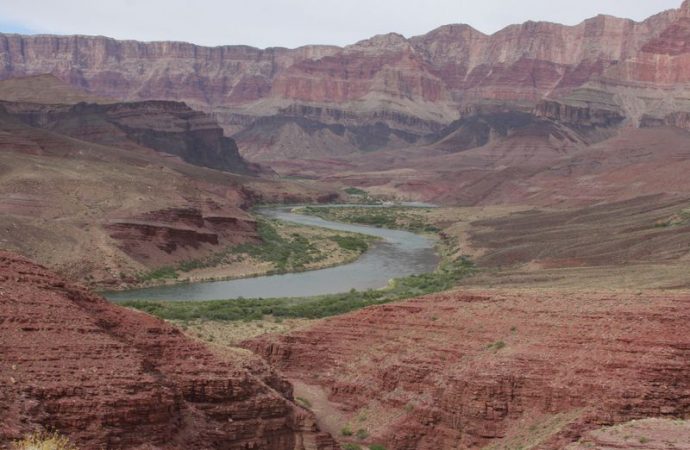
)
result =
(107, 377)
(468, 369)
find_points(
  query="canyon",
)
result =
(372, 113)
(388, 91)
(558, 156)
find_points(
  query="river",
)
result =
(397, 254)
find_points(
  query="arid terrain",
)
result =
(108, 193)
(557, 317)
(134, 381)
(468, 369)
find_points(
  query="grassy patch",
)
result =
(44, 441)
(496, 346)
(351, 243)
(303, 402)
(288, 247)
(682, 218)
(351, 447)
(286, 253)
(162, 273)
(402, 218)
(356, 191)
(444, 278)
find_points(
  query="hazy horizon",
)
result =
(275, 23)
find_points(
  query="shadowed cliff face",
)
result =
(168, 127)
(112, 378)
(411, 86)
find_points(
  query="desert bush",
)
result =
(162, 273)
(498, 345)
(356, 191)
(351, 243)
(303, 402)
(351, 447)
(44, 441)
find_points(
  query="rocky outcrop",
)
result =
(583, 117)
(413, 86)
(467, 369)
(112, 378)
(678, 120)
(168, 127)
(649, 434)
(181, 233)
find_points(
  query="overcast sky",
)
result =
(291, 23)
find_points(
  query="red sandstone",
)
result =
(109, 377)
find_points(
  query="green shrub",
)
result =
(346, 431)
(362, 434)
(351, 243)
(356, 191)
(389, 217)
(162, 273)
(307, 307)
(44, 441)
(377, 447)
(303, 402)
(498, 345)
(351, 447)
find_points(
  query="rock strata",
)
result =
(468, 369)
(108, 377)
(408, 87)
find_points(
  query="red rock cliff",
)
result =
(464, 370)
(410, 84)
(112, 378)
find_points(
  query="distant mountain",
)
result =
(387, 91)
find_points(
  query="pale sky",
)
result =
(292, 23)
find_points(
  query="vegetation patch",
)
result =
(351, 243)
(445, 277)
(44, 441)
(682, 218)
(496, 346)
(286, 253)
(351, 447)
(288, 247)
(401, 218)
(161, 273)
(303, 402)
(356, 191)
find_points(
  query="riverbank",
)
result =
(284, 248)
(394, 254)
(448, 273)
